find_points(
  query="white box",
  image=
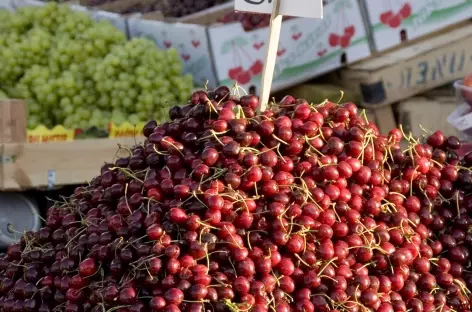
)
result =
(190, 40)
(7, 5)
(395, 21)
(307, 47)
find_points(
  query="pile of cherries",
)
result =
(301, 208)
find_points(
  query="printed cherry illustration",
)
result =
(297, 36)
(244, 77)
(321, 53)
(196, 43)
(167, 43)
(395, 21)
(334, 40)
(186, 57)
(345, 41)
(234, 72)
(256, 67)
(406, 11)
(258, 45)
(281, 52)
(350, 30)
(386, 17)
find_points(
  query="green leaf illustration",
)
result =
(228, 45)
(342, 4)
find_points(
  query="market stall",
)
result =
(244, 203)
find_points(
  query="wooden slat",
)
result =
(27, 165)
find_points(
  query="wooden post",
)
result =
(271, 56)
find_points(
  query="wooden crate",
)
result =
(413, 69)
(38, 165)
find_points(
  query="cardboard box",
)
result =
(419, 113)
(308, 47)
(414, 69)
(383, 118)
(190, 40)
(393, 22)
(13, 121)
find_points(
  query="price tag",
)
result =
(51, 179)
(301, 8)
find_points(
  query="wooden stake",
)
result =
(271, 56)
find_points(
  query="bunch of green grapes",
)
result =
(138, 79)
(80, 73)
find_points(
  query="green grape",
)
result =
(77, 72)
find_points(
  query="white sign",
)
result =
(301, 8)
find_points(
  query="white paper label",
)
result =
(302, 8)
(461, 118)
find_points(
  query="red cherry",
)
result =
(88, 267)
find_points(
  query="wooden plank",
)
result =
(414, 69)
(28, 165)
